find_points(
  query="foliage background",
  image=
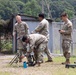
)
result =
(34, 7)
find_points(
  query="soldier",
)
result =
(38, 44)
(21, 28)
(43, 28)
(66, 37)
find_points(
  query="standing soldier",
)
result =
(66, 37)
(43, 28)
(37, 43)
(21, 28)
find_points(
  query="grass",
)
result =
(5, 73)
(54, 68)
(61, 59)
(58, 69)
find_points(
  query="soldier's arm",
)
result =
(38, 28)
(69, 30)
(26, 28)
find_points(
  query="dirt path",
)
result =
(15, 70)
(54, 68)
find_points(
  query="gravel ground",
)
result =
(54, 68)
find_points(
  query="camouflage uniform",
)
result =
(21, 30)
(43, 28)
(66, 38)
(38, 43)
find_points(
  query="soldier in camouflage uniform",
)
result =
(66, 37)
(21, 28)
(38, 44)
(43, 28)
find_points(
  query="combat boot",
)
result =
(66, 62)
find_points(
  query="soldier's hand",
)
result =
(14, 33)
(61, 31)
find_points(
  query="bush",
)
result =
(6, 45)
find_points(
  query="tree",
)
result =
(7, 7)
(58, 7)
(73, 3)
(20, 6)
(32, 8)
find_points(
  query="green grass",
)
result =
(5, 73)
(54, 68)
(58, 69)
(61, 59)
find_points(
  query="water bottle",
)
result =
(25, 64)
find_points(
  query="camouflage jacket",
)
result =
(21, 29)
(68, 30)
(43, 28)
(36, 39)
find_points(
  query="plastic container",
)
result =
(25, 64)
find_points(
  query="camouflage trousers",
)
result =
(42, 48)
(21, 48)
(47, 51)
(20, 44)
(66, 48)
